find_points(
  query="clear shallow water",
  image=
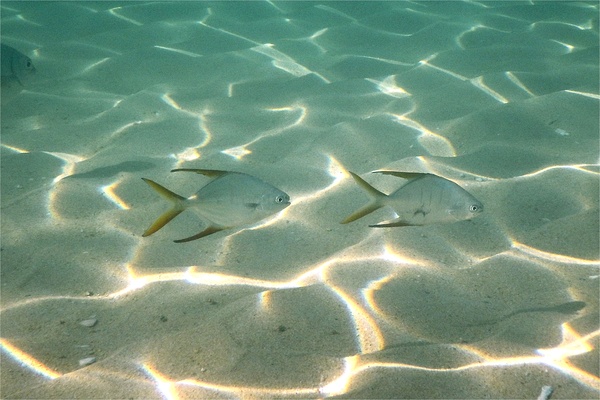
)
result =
(501, 98)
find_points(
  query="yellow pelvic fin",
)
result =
(206, 172)
(178, 207)
(376, 200)
(208, 231)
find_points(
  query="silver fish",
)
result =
(425, 199)
(16, 69)
(230, 200)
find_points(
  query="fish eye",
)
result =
(474, 208)
(279, 199)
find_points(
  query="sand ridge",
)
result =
(501, 98)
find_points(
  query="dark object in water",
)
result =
(16, 70)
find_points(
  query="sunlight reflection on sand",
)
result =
(498, 100)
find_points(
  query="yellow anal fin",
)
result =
(206, 172)
(208, 231)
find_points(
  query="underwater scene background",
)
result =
(498, 97)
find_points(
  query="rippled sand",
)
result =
(501, 98)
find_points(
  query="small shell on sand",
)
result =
(87, 361)
(546, 393)
(89, 322)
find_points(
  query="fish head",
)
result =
(466, 208)
(270, 202)
(23, 68)
(277, 200)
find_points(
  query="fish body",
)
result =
(425, 199)
(16, 69)
(230, 200)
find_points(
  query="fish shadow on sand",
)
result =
(112, 170)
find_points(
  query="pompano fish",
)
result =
(16, 69)
(425, 199)
(231, 199)
(15, 63)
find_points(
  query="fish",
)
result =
(14, 63)
(425, 199)
(230, 200)
(16, 70)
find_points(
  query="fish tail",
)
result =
(377, 200)
(178, 207)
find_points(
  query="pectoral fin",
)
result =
(208, 231)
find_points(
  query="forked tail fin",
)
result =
(376, 200)
(178, 207)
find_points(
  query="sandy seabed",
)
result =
(500, 97)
